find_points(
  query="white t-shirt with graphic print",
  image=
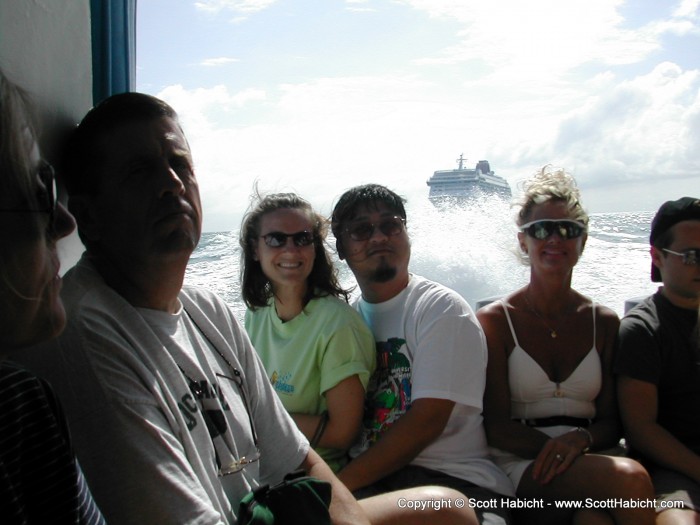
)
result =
(430, 345)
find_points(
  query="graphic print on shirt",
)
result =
(212, 402)
(389, 390)
(281, 382)
(213, 405)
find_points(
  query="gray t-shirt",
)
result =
(148, 450)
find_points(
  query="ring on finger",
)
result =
(559, 457)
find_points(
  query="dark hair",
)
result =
(84, 148)
(671, 213)
(664, 240)
(369, 195)
(661, 241)
(255, 286)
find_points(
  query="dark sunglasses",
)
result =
(544, 228)
(690, 257)
(46, 196)
(279, 239)
(361, 231)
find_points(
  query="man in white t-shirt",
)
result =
(431, 359)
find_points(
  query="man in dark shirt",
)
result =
(658, 365)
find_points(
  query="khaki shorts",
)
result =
(670, 485)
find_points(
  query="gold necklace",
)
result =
(552, 332)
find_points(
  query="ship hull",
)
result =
(465, 186)
(469, 195)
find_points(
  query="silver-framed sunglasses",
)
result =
(690, 256)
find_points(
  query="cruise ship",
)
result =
(463, 185)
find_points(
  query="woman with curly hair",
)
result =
(550, 394)
(318, 352)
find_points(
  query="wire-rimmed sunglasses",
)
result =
(363, 230)
(236, 465)
(239, 464)
(690, 256)
(47, 197)
(279, 239)
(545, 228)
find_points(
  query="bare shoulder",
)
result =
(607, 317)
(492, 318)
(489, 310)
(608, 324)
(492, 313)
(604, 316)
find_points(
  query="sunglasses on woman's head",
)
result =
(279, 239)
(544, 228)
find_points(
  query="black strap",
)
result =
(557, 421)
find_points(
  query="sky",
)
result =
(317, 96)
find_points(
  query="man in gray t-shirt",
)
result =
(172, 414)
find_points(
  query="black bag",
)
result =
(298, 499)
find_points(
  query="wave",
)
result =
(472, 250)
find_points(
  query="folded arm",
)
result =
(400, 444)
(639, 407)
(345, 403)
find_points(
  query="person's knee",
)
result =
(434, 492)
(420, 506)
(444, 501)
(678, 517)
(634, 480)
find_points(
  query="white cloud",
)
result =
(688, 9)
(648, 126)
(538, 39)
(523, 84)
(359, 6)
(323, 136)
(631, 144)
(203, 100)
(242, 6)
(219, 61)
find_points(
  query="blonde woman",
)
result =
(549, 397)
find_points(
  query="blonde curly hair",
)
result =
(550, 183)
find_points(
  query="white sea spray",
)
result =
(471, 250)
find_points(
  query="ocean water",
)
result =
(473, 251)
